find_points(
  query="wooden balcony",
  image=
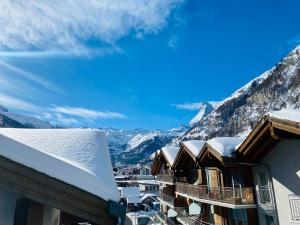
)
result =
(167, 177)
(227, 195)
(184, 218)
(166, 198)
(171, 200)
(163, 217)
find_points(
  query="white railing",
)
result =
(295, 207)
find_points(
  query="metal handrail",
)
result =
(167, 198)
(166, 219)
(231, 195)
(165, 177)
(189, 219)
(295, 207)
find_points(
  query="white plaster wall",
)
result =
(51, 216)
(284, 166)
(7, 207)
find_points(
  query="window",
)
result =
(239, 217)
(264, 188)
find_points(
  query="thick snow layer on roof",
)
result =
(130, 192)
(286, 114)
(79, 157)
(152, 195)
(194, 146)
(170, 152)
(225, 145)
(133, 200)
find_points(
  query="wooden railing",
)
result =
(167, 198)
(236, 196)
(167, 177)
(187, 219)
(295, 207)
(169, 221)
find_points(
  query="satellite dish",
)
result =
(194, 209)
(172, 213)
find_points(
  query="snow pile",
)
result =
(170, 152)
(225, 145)
(194, 146)
(79, 157)
(286, 114)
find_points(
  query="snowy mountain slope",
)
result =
(205, 109)
(19, 121)
(275, 89)
(27, 121)
(134, 146)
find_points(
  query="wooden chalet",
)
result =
(36, 188)
(272, 148)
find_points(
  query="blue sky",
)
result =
(127, 65)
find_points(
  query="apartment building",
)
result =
(273, 149)
(233, 180)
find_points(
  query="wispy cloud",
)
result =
(189, 106)
(16, 103)
(196, 105)
(54, 27)
(61, 115)
(87, 113)
(15, 71)
(62, 54)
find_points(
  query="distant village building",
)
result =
(232, 180)
(56, 177)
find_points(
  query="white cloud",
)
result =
(87, 113)
(15, 71)
(196, 105)
(61, 115)
(16, 103)
(68, 25)
(189, 106)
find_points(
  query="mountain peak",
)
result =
(205, 109)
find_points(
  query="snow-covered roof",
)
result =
(194, 146)
(170, 152)
(133, 200)
(286, 114)
(129, 192)
(152, 195)
(225, 145)
(79, 157)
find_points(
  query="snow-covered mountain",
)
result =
(9, 119)
(275, 89)
(135, 146)
(205, 109)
